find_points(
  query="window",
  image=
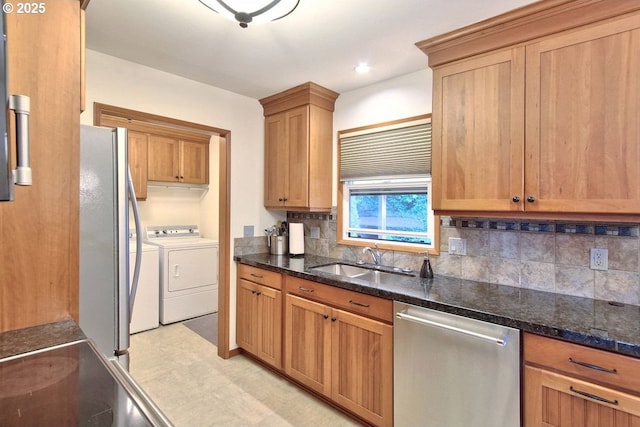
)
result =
(385, 186)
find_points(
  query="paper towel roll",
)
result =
(296, 238)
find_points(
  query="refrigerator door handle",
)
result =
(21, 105)
(136, 219)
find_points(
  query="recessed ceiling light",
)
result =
(362, 68)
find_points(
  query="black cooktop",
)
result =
(68, 385)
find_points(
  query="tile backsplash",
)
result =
(546, 256)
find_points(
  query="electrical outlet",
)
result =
(599, 259)
(247, 231)
(457, 246)
(314, 232)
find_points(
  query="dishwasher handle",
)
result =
(406, 316)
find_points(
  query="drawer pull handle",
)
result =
(305, 289)
(258, 276)
(595, 367)
(358, 303)
(594, 397)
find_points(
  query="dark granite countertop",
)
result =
(596, 323)
(39, 337)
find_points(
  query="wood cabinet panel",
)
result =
(138, 160)
(362, 366)
(195, 162)
(552, 399)
(261, 276)
(259, 321)
(164, 159)
(603, 367)
(39, 230)
(356, 302)
(297, 177)
(478, 143)
(583, 104)
(308, 343)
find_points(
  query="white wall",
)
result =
(399, 98)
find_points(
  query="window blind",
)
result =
(391, 153)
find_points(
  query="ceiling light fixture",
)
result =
(264, 10)
(362, 68)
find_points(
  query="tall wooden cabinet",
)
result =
(39, 230)
(568, 385)
(536, 110)
(298, 148)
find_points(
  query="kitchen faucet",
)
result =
(374, 254)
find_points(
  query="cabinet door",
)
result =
(276, 164)
(194, 162)
(308, 343)
(164, 159)
(362, 366)
(297, 179)
(478, 133)
(554, 400)
(39, 229)
(583, 132)
(138, 162)
(269, 326)
(247, 316)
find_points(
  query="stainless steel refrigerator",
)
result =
(106, 296)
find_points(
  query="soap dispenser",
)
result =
(426, 272)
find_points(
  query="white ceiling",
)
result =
(321, 41)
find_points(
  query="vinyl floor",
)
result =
(181, 371)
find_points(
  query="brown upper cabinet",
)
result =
(138, 143)
(535, 113)
(178, 160)
(298, 148)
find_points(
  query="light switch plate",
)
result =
(457, 246)
(599, 259)
(314, 232)
(247, 231)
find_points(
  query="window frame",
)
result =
(342, 222)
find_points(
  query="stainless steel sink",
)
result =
(341, 270)
(368, 274)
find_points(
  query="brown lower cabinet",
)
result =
(570, 385)
(259, 314)
(336, 342)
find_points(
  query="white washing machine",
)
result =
(188, 272)
(146, 306)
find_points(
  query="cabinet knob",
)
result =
(531, 199)
(516, 199)
(326, 316)
(333, 319)
(280, 199)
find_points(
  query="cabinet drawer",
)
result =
(355, 302)
(600, 366)
(258, 275)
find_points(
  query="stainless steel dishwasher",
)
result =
(452, 371)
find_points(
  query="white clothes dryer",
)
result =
(146, 305)
(188, 270)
